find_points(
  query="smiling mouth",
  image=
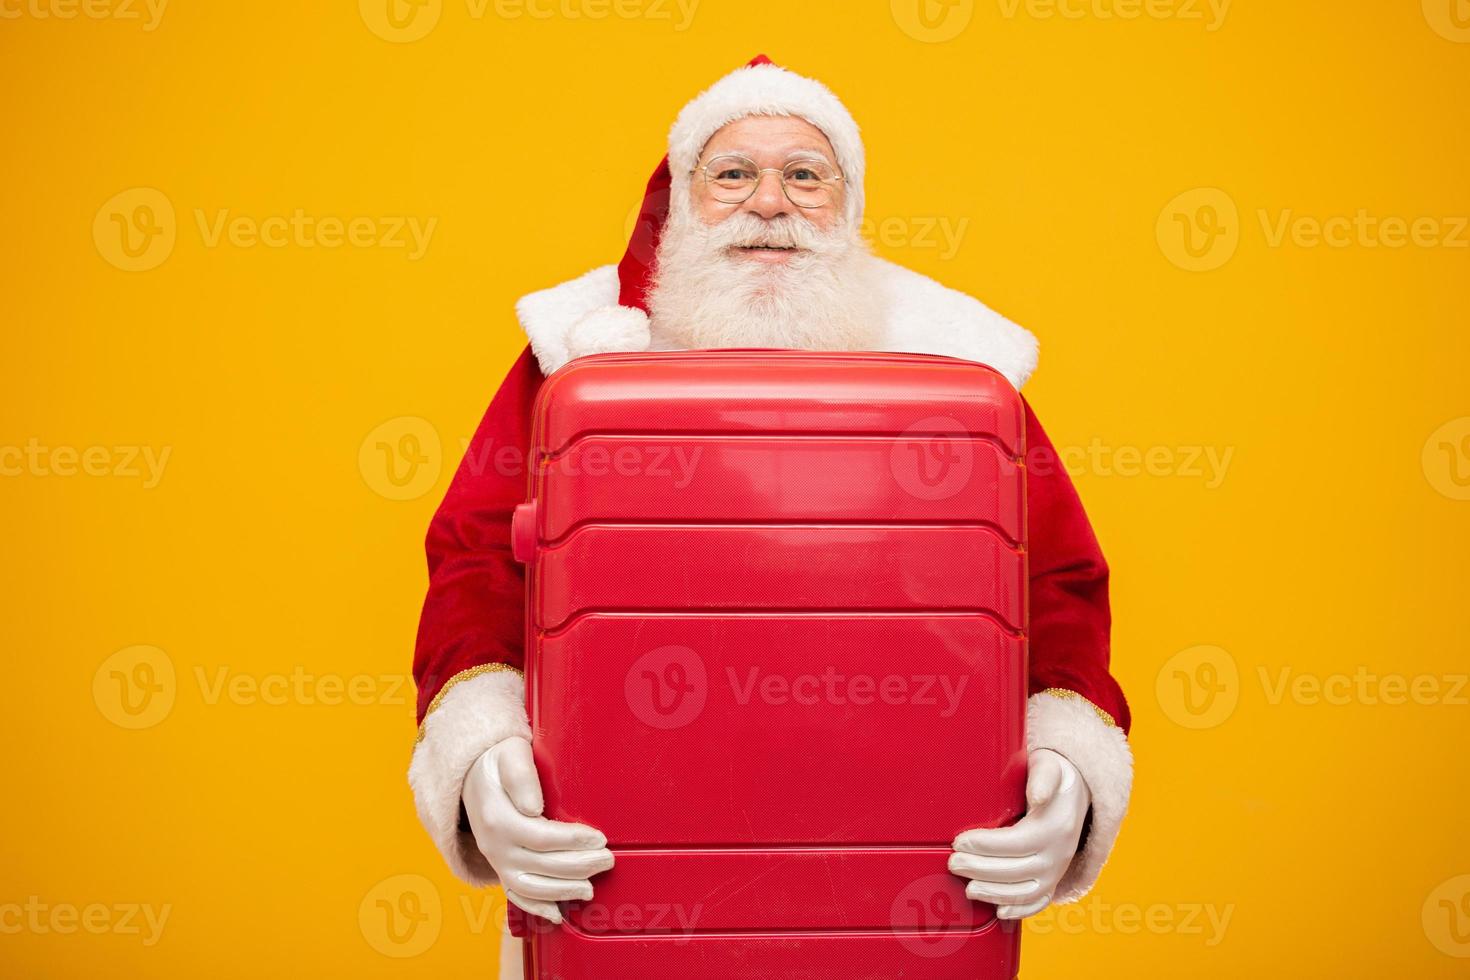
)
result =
(766, 248)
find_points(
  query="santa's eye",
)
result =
(731, 171)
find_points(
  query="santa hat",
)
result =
(760, 88)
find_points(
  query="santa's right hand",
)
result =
(539, 862)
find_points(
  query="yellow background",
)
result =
(1328, 838)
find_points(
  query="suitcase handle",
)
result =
(523, 532)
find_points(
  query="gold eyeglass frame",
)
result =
(780, 172)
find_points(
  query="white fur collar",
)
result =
(581, 316)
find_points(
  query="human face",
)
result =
(771, 142)
(764, 272)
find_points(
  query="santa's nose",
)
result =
(769, 200)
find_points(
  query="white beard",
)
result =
(704, 295)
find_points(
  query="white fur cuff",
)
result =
(608, 329)
(474, 714)
(1071, 726)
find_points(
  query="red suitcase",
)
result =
(776, 652)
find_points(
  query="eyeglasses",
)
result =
(732, 179)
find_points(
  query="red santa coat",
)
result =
(470, 648)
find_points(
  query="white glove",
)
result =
(1017, 868)
(539, 862)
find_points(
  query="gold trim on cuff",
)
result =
(1064, 694)
(463, 675)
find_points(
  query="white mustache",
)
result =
(782, 231)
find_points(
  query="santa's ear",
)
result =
(607, 329)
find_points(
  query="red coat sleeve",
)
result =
(1070, 618)
(474, 611)
(1076, 708)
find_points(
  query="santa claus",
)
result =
(749, 237)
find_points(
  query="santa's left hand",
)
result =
(1017, 868)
